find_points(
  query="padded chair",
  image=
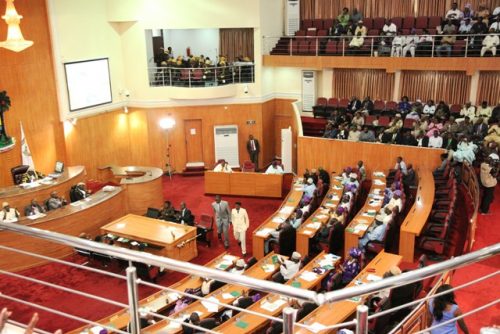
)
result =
(153, 213)
(433, 22)
(378, 23)
(391, 106)
(286, 241)
(331, 48)
(408, 22)
(436, 244)
(205, 228)
(306, 24)
(368, 23)
(248, 167)
(421, 22)
(398, 21)
(303, 47)
(318, 24)
(376, 247)
(17, 173)
(378, 106)
(343, 103)
(332, 104)
(455, 109)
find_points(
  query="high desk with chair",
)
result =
(289, 205)
(366, 215)
(337, 312)
(416, 218)
(85, 216)
(19, 196)
(244, 184)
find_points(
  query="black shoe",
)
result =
(226, 246)
(219, 236)
(244, 254)
(239, 243)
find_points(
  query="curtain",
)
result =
(236, 42)
(451, 87)
(488, 88)
(307, 9)
(328, 9)
(378, 84)
(432, 7)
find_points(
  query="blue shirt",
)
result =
(377, 233)
(450, 328)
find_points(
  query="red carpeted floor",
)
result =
(190, 190)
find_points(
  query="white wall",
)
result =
(201, 41)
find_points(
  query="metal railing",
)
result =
(196, 77)
(378, 46)
(255, 284)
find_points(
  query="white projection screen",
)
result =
(88, 83)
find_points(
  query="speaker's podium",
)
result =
(243, 184)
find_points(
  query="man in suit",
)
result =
(33, 208)
(239, 218)
(55, 202)
(194, 319)
(185, 217)
(222, 219)
(253, 149)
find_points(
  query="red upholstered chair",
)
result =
(320, 107)
(398, 21)
(205, 228)
(311, 32)
(384, 120)
(438, 243)
(303, 47)
(343, 103)
(368, 22)
(299, 35)
(391, 106)
(455, 109)
(327, 24)
(379, 105)
(248, 167)
(306, 24)
(408, 22)
(331, 48)
(376, 247)
(434, 21)
(421, 22)
(458, 48)
(332, 104)
(318, 24)
(314, 47)
(373, 32)
(378, 23)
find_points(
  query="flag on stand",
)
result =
(25, 151)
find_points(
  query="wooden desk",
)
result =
(168, 239)
(243, 184)
(19, 198)
(320, 217)
(282, 214)
(226, 294)
(88, 217)
(334, 313)
(160, 300)
(366, 215)
(142, 184)
(254, 322)
(417, 216)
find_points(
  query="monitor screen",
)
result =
(88, 83)
(59, 167)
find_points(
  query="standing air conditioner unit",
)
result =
(226, 144)
(292, 17)
(308, 90)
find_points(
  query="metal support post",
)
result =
(289, 314)
(362, 319)
(135, 324)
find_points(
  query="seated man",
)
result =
(168, 212)
(308, 189)
(194, 319)
(360, 28)
(55, 202)
(239, 267)
(376, 232)
(274, 168)
(410, 43)
(397, 45)
(389, 28)
(79, 192)
(490, 43)
(275, 235)
(223, 167)
(357, 41)
(296, 219)
(446, 45)
(454, 13)
(395, 201)
(8, 214)
(34, 209)
(185, 216)
(288, 268)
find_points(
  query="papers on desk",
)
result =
(378, 182)
(376, 191)
(96, 329)
(38, 215)
(369, 213)
(268, 268)
(223, 265)
(264, 232)
(308, 276)
(173, 296)
(373, 278)
(326, 262)
(308, 232)
(272, 306)
(230, 258)
(174, 325)
(378, 174)
(46, 180)
(211, 307)
(325, 211)
(77, 203)
(227, 296)
(375, 203)
(317, 327)
(336, 187)
(157, 304)
(30, 185)
(360, 228)
(314, 226)
(335, 198)
(278, 220)
(331, 257)
(321, 216)
(287, 209)
(13, 220)
(339, 178)
(330, 205)
(299, 188)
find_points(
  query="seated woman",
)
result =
(338, 214)
(168, 212)
(346, 272)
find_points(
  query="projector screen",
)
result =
(88, 83)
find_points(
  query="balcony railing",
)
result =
(377, 46)
(239, 72)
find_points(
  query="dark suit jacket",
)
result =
(208, 323)
(28, 211)
(450, 144)
(257, 146)
(354, 105)
(482, 129)
(186, 216)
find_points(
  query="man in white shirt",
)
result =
(496, 25)
(223, 167)
(410, 43)
(240, 221)
(395, 201)
(401, 165)
(467, 111)
(389, 28)
(309, 189)
(376, 232)
(454, 13)
(239, 267)
(465, 26)
(360, 28)
(8, 214)
(397, 45)
(288, 268)
(429, 108)
(436, 140)
(357, 41)
(274, 168)
(490, 43)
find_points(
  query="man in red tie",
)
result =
(253, 149)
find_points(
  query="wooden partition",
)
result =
(243, 184)
(469, 180)
(333, 155)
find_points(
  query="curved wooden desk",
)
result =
(143, 185)
(417, 216)
(243, 184)
(19, 197)
(86, 216)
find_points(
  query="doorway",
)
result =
(194, 140)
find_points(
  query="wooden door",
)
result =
(194, 140)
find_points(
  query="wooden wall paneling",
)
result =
(334, 155)
(269, 134)
(29, 80)
(284, 118)
(138, 128)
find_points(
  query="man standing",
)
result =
(239, 218)
(488, 176)
(222, 219)
(185, 215)
(253, 149)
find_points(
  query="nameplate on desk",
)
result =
(38, 215)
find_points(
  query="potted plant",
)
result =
(5, 140)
